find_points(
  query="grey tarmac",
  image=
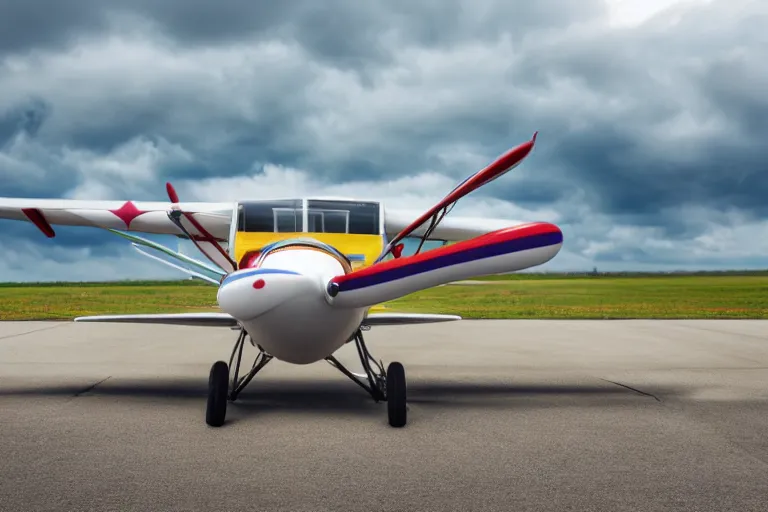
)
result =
(503, 415)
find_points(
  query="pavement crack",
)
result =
(633, 389)
(721, 331)
(46, 328)
(92, 386)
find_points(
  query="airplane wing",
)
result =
(140, 216)
(215, 319)
(212, 319)
(376, 319)
(505, 250)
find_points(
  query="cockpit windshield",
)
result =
(322, 216)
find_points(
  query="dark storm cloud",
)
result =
(344, 31)
(627, 172)
(636, 125)
(99, 242)
(628, 157)
(612, 156)
(32, 24)
(350, 32)
(27, 170)
(24, 118)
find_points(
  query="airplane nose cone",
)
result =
(249, 293)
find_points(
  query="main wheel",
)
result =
(396, 395)
(218, 386)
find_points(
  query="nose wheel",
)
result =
(218, 386)
(396, 407)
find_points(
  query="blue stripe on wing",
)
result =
(441, 261)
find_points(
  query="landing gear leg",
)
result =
(221, 390)
(383, 386)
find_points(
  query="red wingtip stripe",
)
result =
(36, 217)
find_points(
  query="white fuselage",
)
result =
(282, 305)
(300, 301)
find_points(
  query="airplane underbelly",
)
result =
(304, 330)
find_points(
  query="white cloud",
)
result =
(126, 171)
(27, 261)
(629, 13)
(417, 192)
(16, 164)
(743, 239)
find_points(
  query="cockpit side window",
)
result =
(358, 218)
(283, 216)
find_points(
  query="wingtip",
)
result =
(535, 134)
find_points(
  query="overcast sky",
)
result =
(652, 117)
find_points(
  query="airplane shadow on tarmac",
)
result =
(313, 396)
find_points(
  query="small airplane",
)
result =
(297, 277)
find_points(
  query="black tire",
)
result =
(218, 387)
(396, 407)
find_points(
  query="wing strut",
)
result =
(196, 275)
(222, 259)
(137, 241)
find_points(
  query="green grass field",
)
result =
(518, 296)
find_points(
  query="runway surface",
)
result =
(503, 415)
